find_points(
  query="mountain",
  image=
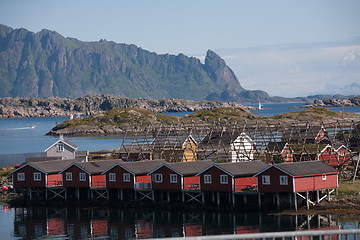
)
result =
(46, 64)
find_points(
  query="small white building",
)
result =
(231, 147)
(62, 148)
(242, 148)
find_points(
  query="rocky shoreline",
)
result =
(90, 105)
(331, 102)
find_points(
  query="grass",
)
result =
(348, 188)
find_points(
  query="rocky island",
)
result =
(90, 105)
(332, 102)
(131, 120)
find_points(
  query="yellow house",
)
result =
(174, 148)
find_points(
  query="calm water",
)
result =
(117, 223)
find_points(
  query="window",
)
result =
(173, 178)
(207, 178)
(283, 180)
(60, 147)
(323, 177)
(158, 178)
(68, 176)
(223, 179)
(112, 177)
(126, 177)
(37, 176)
(266, 179)
(21, 176)
(82, 176)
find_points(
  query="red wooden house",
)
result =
(335, 155)
(297, 177)
(87, 174)
(278, 152)
(308, 135)
(178, 176)
(40, 174)
(130, 175)
(230, 177)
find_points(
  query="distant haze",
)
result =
(294, 70)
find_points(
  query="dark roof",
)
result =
(164, 140)
(306, 168)
(276, 146)
(97, 167)
(215, 138)
(41, 159)
(135, 148)
(302, 133)
(54, 166)
(222, 139)
(248, 168)
(66, 142)
(142, 167)
(81, 153)
(190, 168)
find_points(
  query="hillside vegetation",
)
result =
(118, 121)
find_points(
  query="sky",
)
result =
(266, 43)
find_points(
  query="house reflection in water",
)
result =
(128, 224)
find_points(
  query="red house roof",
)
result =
(303, 168)
(186, 168)
(49, 167)
(96, 167)
(138, 168)
(238, 169)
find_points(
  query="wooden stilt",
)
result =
(203, 198)
(245, 198)
(328, 194)
(218, 198)
(317, 196)
(233, 199)
(168, 196)
(307, 200)
(259, 200)
(183, 196)
(277, 201)
(295, 202)
(213, 197)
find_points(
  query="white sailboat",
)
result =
(260, 105)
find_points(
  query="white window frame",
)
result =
(37, 176)
(266, 179)
(173, 178)
(284, 180)
(224, 179)
(158, 178)
(126, 177)
(21, 176)
(68, 176)
(323, 177)
(112, 177)
(207, 178)
(82, 177)
(60, 147)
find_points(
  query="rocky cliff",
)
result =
(89, 105)
(46, 64)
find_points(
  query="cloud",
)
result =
(295, 69)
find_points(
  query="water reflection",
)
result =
(117, 223)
